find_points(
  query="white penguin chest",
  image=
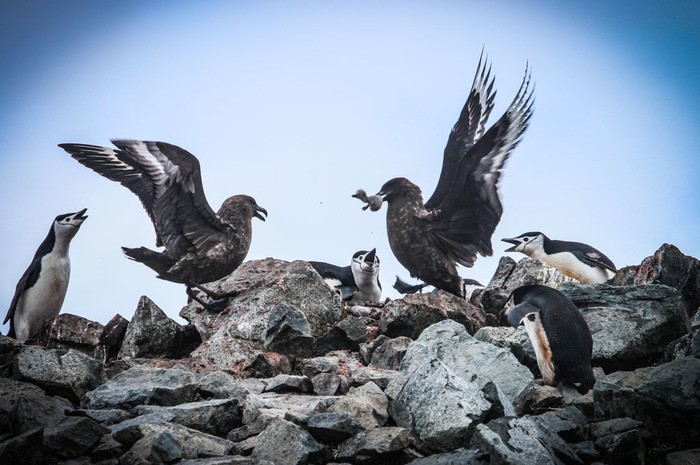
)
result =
(367, 287)
(44, 299)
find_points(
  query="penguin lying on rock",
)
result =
(41, 289)
(357, 282)
(560, 336)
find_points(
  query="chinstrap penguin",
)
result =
(200, 246)
(357, 282)
(576, 260)
(42, 288)
(458, 220)
(558, 332)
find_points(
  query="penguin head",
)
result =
(527, 243)
(66, 225)
(365, 262)
(520, 305)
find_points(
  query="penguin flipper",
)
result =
(28, 279)
(517, 313)
(595, 258)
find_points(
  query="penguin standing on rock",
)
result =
(560, 336)
(358, 282)
(576, 260)
(41, 289)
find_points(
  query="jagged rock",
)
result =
(284, 383)
(367, 403)
(620, 440)
(515, 340)
(626, 340)
(538, 398)
(376, 445)
(685, 457)
(438, 408)
(665, 398)
(450, 342)
(366, 349)
(73, 436)
(27, 447)
(68, 331)
(141, 385)
(325, 384)
(107, 448)
(32, 411)
(269, 365)
(225, 460)
(312, 366)
(413, 313)
(260, 285)
(150, 333)
(155, 447)
(221, 385)
(107, 416)
(285, 442)
(263, 408)
(113, 335)
(668, 266)
(567, 422)
(288, 331)
(510, 276)
(457, 457)
(193, 443)
(348, 334)
(67, 373)
(390, 353)
(521, 440)
(10, 392)
(334, 427)
(686, 346)
(216, 417)
(381, 378)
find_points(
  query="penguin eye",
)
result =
(531, 317)
(525, 239)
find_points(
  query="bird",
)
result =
(458, 220)
(575, 259)
(200, 246)
(40, 292)
(558, 332)
(357, 282)
(470, 285)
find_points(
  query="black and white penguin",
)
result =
(358, 282)
(558, 332)
(41, 289)
(576, 260)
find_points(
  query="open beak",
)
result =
(514, 241)
(259, 210)
(81, 214)
(369, 258)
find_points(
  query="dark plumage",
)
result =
(559, 334)
(458, 220)
(200, 246)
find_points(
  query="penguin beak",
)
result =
(369, 258)
(259, 210)
(81, 214)
(514, 241)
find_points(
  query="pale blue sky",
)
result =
(300, 103)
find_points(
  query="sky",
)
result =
(300, 103)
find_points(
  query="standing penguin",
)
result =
(559, 334)
(41, 289)
(358, 282)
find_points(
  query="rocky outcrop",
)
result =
(283, 374)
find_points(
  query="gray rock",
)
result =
(373, 446)
(450, 342)
(27, 447)
(567, 422)
(620, 440)
(107, 448)
(686, 346)
(348, 334)
(150, 333)
(221, 385)
(226, 460)
(457, 457)
(107, 416)
(438, 408)
(269, 365)
(326, 384)
(390, 353)
(10, 391)
(538, 398)
(142, 385)
(216, 417)
(285, 442)
(285, 383)
(34, 411)
(263, 408)
(68, 331)
(334, 427)
(516, 340)
(685, 457)
(288, 331)
(627, 340)
(155, 447)
(113, 335)
(367, 403)
(67, 373)
(410, 315)
(366, 349)
(380, 377)
(72, 437)
(665, 398)
(312, 366)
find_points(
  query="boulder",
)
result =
(373, 446)
(334, 427)
(216, 417)
(413, 313)
(390, 353)
(326, 384)
(285, 442)
(288, 331)
(35, 411)
(624, 340)
(686, 346)
(458, 457)
(263, 408)
(367, 403)
(514, 339)
(73, 437)
(10, 392)
(348, 334)
(154, 447)
(269, 365)
(285, 383)
(27, 447)
(619, 440)
(68, 331)
(112, 336)
(67, 373)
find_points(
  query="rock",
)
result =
(668, 266)
(538, 398)
(413, 313)
(686, 457)
(346, 335)
(438, 408)
(686, 346)
(221, 385)
(373, 446)
(288, 331)
(216, 417)
(285, 442)
(620, 440)
(141, 385)
(113, 335)
(390, 353)
(35, 411)
(312, 366)
(366, 349)
(269, 365)
(326, 384)
(27, 447)
(450, 342)
(67, 373)
(516, 340)
(364, 375)
(665, 398)
(567, 422)
(10, 391)
(225, 460)
(334, 427)
(68, 331)
(285, 383)
(263, 408)
(150, 333)
(367, 403)
(72, 437)
(627, 340)
(457, 457)
(107, 448)
(156, 447)
(521, 440)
